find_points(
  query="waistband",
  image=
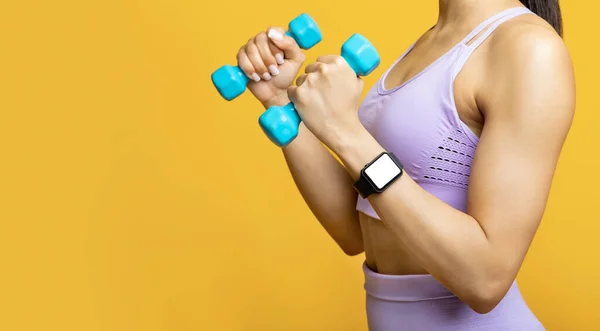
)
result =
(404, 287)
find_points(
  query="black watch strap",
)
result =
(363, 186)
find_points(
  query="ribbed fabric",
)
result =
(418, 120)
(421, 303)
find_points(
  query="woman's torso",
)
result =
(423, 110)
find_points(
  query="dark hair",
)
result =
(548, 10)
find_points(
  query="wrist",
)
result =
(356, 149)
(278, 100)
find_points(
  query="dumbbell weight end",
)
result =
(230, 81)
(280, 124)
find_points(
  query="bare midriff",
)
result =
(383, 251)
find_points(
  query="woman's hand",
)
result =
(327, 99)
(271, 60)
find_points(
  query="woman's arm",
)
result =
(528, 103)
(327, 189)
(322, 180)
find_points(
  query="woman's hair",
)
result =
(548, 10)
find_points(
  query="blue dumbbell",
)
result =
(281, 124)
(231, 81)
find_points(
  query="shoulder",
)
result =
(527, 62)
(528, 41)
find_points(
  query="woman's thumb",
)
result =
(286, 43)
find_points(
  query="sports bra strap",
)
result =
(492, 23)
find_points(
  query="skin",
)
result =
(516, 92)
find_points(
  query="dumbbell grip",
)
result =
(286, 113)
(230, 80)
(239, 72)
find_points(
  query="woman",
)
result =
(476, 111)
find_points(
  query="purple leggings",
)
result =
(421, 303)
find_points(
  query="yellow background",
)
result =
(132, 197)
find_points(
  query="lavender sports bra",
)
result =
(418, 121)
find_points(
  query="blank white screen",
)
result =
(382, 171)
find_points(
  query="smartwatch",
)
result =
(378, 174)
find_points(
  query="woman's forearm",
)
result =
(327, 189)
(450, 244)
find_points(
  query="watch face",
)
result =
(382, 171)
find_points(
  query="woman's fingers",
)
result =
(260, 58)
(257, 62)
(313, 67)
(246, 65)
(287, 44)
(277, 53)
(301, 79)
(263, 45)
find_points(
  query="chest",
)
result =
(417, 60)
(422, 120)
(424, 75)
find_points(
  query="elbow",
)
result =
(484, 305)
(486, 296)
(350, 243)
(352, 250)
(351, 246)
